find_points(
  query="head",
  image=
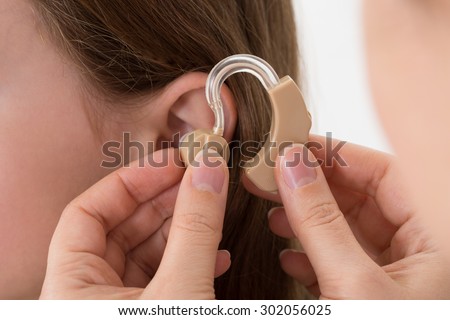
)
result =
(408, 51)
(76, 74)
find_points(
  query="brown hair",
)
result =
(133, 48)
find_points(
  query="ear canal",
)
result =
(196, 141)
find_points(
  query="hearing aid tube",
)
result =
(291, 121)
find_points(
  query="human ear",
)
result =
(160, 120)
(186, 109)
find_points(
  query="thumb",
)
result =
(315, 217)
(188, 266)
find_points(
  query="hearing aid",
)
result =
(291, 121)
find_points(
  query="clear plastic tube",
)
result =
(226, 68)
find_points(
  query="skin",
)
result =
(361, 237)
(48, 148)
(120, 214)
(52, 133)
(379, 228)
(409, 68)
(382, 223)
(370, 230)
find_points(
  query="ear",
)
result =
(185, 109)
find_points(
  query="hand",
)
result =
(110, 242)
(361, 238)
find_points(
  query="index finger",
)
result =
(349, 165)
(344, 164)
(365, 171)
(87, 219)
(188, 265)
(359, 169)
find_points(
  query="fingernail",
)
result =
(272, 211)
(208, 174)
(282, 253)
(297, 169)
(226, 252)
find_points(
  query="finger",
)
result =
(359, 169)
(373, 232)
(347, 165)
(144, 261)
(134, 276)
(372, 235)
(363, 170)
(146, 257)
(314, 290)
(314, 214)
(223, 262)
(279, 223)
(350, 165)
(297, 265)
(190, 257)
(86, 220)
(147, 220)
(369, 225)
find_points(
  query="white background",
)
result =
(334, 70)
(340, 310)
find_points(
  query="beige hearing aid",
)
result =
(194, 142)
(291, 121)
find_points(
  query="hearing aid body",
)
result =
(202, 139)
(291, 121)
